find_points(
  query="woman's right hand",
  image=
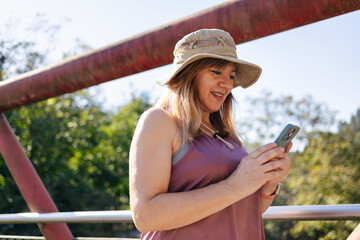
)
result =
(256, 169)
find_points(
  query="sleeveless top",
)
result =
(206, 162)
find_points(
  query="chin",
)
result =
(214, 110)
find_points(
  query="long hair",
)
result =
(184, 104)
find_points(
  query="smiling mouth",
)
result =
(217, 94)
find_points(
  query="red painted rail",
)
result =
(245, 20)
(31, 187)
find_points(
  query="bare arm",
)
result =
(355, 235)
(154, 208)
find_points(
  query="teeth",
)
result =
(217, 94)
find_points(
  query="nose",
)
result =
(226, 82)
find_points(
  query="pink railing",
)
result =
(245, 20)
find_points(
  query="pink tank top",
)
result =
(209, 161)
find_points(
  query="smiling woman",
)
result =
(190, 176)
(213, 85)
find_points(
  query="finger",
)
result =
(273, 166)
(273, 154)
(283, 155)
(279, 173)
(259, 151)
(287, 150)
(272, 175)
(283, 163)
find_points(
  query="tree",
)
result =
(20, 56)
(324, 168)
(328, 173)
(269, 114)
(81, 154)
(79, 150)
(16, 57)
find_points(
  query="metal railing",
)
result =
(246, 20)
(13, 237)
(313, 212)
(276, 213)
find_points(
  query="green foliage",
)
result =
(269, 114)
(79, 151)
(21, 56)
(327, 172)
(81, 154)
(18, 57)
(324, 170)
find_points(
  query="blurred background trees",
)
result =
(80, 151)
(325, 161)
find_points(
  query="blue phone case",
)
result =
(286, 135)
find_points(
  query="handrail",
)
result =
(245, 20)
(13, 237)
(288, 213)
(313, 212)
(68, 217)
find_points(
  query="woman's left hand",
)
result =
(284, 169)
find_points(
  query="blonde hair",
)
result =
(183, 103)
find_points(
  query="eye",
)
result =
(232, 77)
(216, 72)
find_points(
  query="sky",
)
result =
(321, 59)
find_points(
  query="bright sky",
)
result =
(321, 59)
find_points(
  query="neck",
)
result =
(206, 118)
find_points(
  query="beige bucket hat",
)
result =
(211, 43)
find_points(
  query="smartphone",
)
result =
(286, 135)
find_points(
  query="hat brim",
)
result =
(246, 73)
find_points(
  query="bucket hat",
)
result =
(211, 43)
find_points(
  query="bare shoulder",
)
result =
(157, 114)
(157, 117)
(157, 124)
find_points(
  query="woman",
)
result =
(190, 177)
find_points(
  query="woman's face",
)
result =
(213, 84)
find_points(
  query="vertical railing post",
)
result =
(31, 187)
